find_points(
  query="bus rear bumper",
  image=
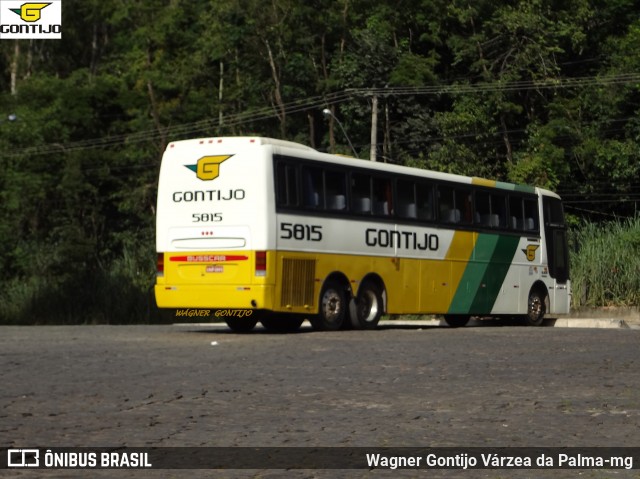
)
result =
(215, 297)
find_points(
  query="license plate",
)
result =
(215, 268)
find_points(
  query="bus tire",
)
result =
(367, 307)
(536, 307)
(241, 325)
(333, 307)
(456, 320)
(285, 323)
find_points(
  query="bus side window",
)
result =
(491, 210)
(524, 214)
(482, 214)
(424, 196)
(498, 211)
(312, 188)
(531, 222)
(336, 183)
(382, 197)
(516, 213)
(407, 207)
(464, 204)
(455, 205)
(446, 206)
(360, 193)
(286, 184)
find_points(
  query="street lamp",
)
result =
(329, 114)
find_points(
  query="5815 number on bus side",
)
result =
(300, 232)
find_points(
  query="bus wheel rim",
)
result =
(369, 307)
(331, 305)
(535, 306)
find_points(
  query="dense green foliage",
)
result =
(605, 264)
(533, 91)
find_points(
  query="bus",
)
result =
(271, 231)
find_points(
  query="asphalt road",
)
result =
(139, 386)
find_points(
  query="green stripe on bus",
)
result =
(514, 187)
(495, 274)
(483, 277)
(474, 272)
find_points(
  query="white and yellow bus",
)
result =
(283, 232)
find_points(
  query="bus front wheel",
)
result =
(536, 308)
(368, 307)
(332, 311)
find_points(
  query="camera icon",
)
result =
(23, 458)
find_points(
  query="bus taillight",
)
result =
(160, 265)
(261, 263)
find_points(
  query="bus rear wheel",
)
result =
(241, 325)
(333, 302)
(368, 307)
(536, 308)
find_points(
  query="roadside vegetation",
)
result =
(605, 264)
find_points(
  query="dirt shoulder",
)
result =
(629, 315)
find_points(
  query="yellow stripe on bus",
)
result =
(458, 257)
(483, 182)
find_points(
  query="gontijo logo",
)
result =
(40, 20)
(530, 252)
(207, 168)
(30, 12)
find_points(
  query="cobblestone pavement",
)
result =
(201, 386)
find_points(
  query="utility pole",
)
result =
(374, 127)
(220, 89)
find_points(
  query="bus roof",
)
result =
(238, 142)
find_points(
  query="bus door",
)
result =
(557, 254)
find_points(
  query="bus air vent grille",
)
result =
(297, 282)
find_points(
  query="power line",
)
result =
(313, 103)
(183, 129)
(591, 212)
(549, 83)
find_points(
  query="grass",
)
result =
(605, 264)
(120, 293)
